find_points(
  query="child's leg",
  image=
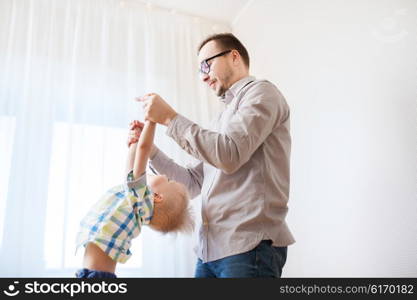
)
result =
(96, 260)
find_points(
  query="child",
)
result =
(117, 218)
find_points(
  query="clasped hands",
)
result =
(155, 110)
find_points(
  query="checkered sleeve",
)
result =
(139, 190)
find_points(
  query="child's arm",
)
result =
(132, 142)
(143, 149)
(131, 157)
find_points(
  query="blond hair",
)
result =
(173, 214)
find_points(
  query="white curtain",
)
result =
(69, 71)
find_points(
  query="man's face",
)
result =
(221, 71)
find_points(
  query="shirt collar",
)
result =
(147, 209)
(234, 90)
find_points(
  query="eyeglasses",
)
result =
(205, 67)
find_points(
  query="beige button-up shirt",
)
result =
(244, 171)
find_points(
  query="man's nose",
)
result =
(204, 77)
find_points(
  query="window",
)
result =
(7, 128)
(86, 161)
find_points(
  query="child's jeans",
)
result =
(86, 273)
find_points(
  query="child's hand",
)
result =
(135, 129)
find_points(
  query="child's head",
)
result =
(171, 210)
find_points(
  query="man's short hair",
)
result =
(227, 41)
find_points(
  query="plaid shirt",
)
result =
(117, 218)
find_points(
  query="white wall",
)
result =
(349, 72)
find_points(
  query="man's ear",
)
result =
(157, 198)
(235, 56)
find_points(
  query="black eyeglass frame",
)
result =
(204, 63)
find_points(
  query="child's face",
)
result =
(161, 185)
(170, 205)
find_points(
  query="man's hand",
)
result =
(156, 109)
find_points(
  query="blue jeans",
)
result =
(87, 273)
(264, 260)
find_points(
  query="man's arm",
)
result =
(260, 111)
(192, 176)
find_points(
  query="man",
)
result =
(243, 173)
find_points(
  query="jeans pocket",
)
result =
(264, 259)
(280, 254)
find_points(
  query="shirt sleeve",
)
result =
(260, 110)
(192, 176)
(137, 187)
(142, 195)
(132, 183)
